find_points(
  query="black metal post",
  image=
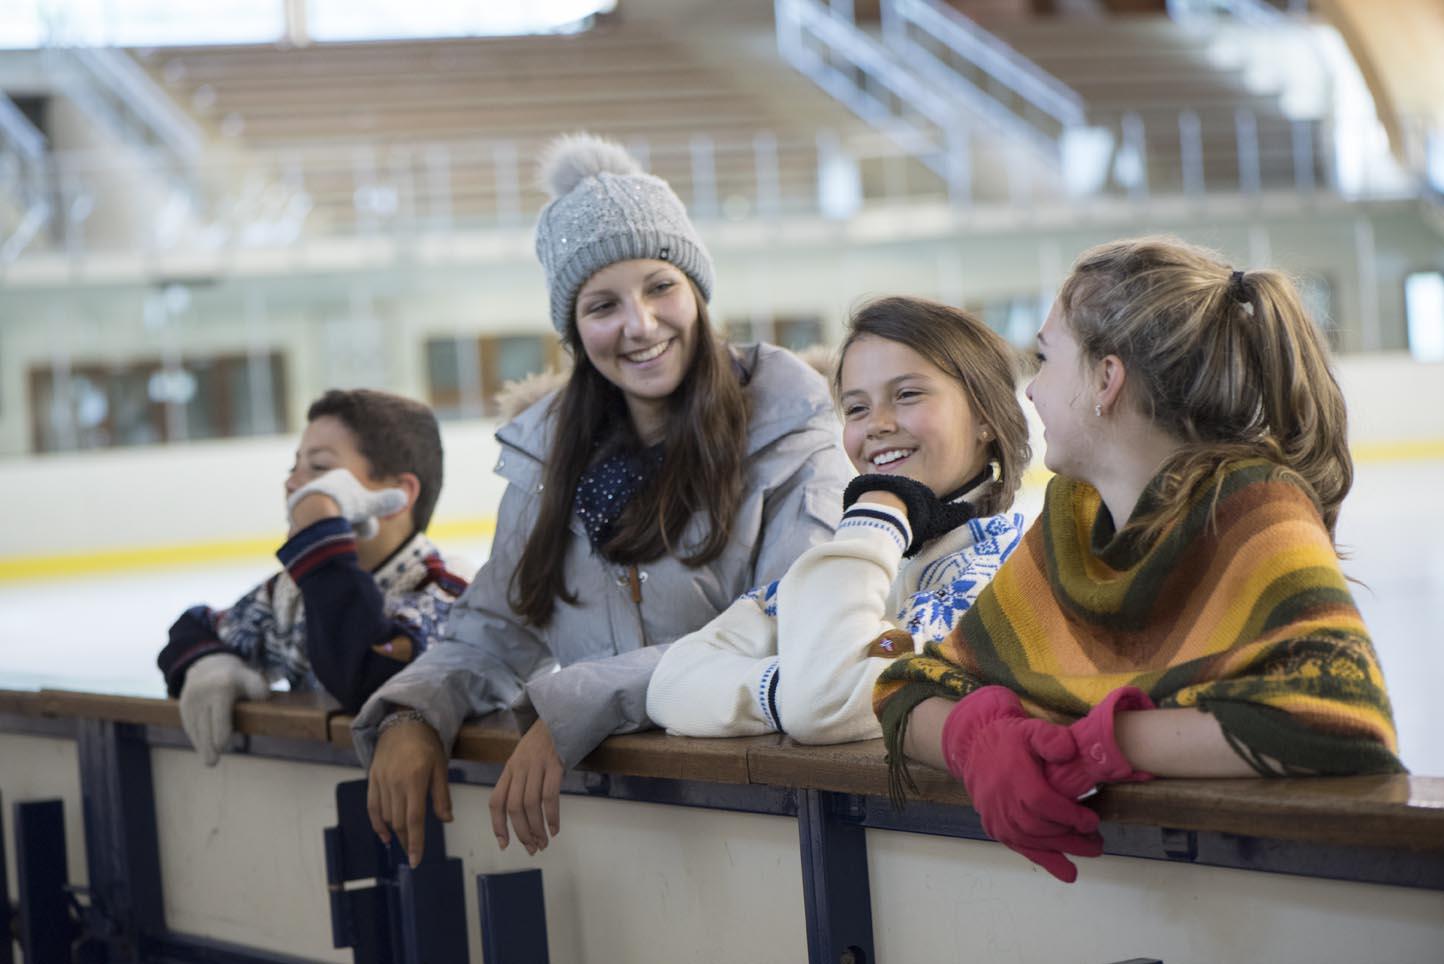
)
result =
(7, 939)
(122, 843)
(835, 892)
(513, 918)
(46, 929)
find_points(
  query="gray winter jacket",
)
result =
(607, 645)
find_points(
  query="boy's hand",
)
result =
(409, 761)
(529, 791)
(356, 504)
(207, 697)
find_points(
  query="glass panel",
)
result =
(1424, 309)
(133, 418)
(255, 396)
(519, 356)
(798, 333)
(1317, 294)
(443, 376)
(96, 407)
(1017, 319)
(198, 387)
(740, 331)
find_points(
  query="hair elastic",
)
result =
(1236, 289)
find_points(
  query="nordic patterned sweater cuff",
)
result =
(870, 516)
(317, 544)
(767, 695)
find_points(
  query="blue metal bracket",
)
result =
(122, 843)
(513, 918)
(835, 891)
(431, 903)
(46, 929)
(7, 937)
(408, 915)
(360, 917)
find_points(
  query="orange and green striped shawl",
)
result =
(1239, 608)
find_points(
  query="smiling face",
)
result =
(902, 415)
(326, 444)
(1061, 393)
(637, 321)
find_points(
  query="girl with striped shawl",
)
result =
(1178, 608)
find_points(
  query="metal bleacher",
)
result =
(444, 132)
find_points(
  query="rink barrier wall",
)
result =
(204, 502)
(450, 531)
(1375, 830)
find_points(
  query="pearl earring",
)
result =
(1098, 410)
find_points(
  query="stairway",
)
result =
(1161, 74)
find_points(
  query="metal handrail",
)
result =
(944, 155)
(988, 53)
(27, 144)
(870, 56)
(363, 189)
(16, 129)
(1254, 12)
(119, 77)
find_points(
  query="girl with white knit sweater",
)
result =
(931, 420)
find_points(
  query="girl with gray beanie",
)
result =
(669, 475)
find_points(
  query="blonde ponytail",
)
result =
(1230, 363)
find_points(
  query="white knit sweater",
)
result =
(801, 655)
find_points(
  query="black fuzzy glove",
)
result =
(928, 516)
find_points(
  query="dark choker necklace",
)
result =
(986, 475)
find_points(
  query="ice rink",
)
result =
(103, 633)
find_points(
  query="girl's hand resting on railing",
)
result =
(409, 761)
(999, 752)
(529, 791)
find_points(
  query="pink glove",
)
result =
(1098, 758)
(998, 751)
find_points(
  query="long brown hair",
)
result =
(1230, 363)
(704, 449)
(966, 349)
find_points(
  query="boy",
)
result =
(363, 590)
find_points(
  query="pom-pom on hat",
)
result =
(605, 209)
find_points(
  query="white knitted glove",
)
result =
(359, 505)
(212, 686)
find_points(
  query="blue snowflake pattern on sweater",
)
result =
(765, 597)
(950, 585)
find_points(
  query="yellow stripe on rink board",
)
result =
(481, 528)
(122, 560)
(1413, 450)
(13, 568)
(180, 556)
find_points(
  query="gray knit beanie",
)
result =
(605, 209)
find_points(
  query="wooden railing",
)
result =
(1405, 812)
